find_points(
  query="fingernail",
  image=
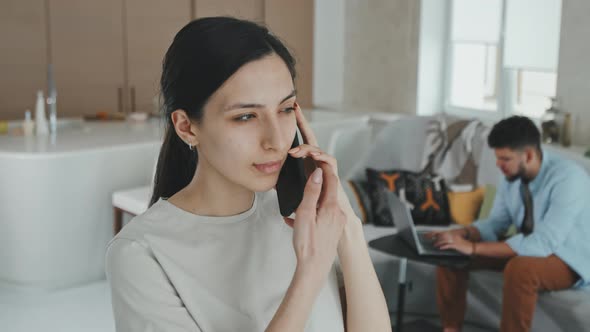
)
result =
(315, 153)
(317, 175)
(293, 150)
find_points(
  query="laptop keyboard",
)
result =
(427, 244)
(429, 248)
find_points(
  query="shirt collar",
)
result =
(544, 165)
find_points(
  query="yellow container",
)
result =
(3, 127)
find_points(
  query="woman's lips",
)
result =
(270, 167)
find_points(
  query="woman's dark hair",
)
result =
(516, 133)
(203, 55)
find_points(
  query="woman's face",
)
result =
(248, 125)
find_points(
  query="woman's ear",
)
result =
(185, 128)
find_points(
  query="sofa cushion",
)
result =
(488, 201)
(465, 206)
(427, 196)
(358, 195)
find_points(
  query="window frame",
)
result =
(507, 80)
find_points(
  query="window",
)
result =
(502, 56)
(534, 90)
(474, 76)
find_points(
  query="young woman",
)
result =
(212, 253)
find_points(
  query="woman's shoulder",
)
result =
(163, 220)
(144, 224)
(161, 216)
(130, 246)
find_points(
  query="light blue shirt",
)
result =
(561, 212)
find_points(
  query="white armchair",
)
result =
(133, 201)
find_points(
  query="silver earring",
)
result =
(190, 146)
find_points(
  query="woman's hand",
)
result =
(366, 309)
(318, 223)
(310, 148)
(317, 229)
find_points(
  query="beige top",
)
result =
(171, 270)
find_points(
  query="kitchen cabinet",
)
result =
(292, 21)
(151, 26)
(86, 49)
(246, 9)
(107, 55)
(23, 55)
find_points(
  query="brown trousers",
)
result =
(524, 277)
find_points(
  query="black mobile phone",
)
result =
(291, 183)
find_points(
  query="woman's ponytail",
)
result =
(176, 166)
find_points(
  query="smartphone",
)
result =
(291, 182)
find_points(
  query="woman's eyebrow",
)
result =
(252, 105)
(291, 95)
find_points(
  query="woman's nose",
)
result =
(273, 136)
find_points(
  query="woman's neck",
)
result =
(211, 194)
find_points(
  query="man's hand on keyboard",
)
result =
(453, 239)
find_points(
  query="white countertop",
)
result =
(75, 135)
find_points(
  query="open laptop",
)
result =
(402, 218)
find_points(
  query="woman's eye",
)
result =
(288, 109)
(244, 117)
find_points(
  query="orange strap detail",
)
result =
(390, 179)
(430, 202)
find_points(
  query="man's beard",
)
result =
(521, 174)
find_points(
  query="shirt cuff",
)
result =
(515, 243)
(486, 231)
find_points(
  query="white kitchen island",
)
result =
(56, 216)
(55, 198)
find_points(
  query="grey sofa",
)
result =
(400, 145)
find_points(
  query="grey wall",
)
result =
(381, 55)
(366, 55)
(573, 77)
(432, 56)
(328, 57)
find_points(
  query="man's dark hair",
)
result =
(516, 133)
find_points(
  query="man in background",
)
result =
(548, 200)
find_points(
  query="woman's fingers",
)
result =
(317, 229)
(308, 206)
(330, 187)
(326, 158)
(290, 222)
(306, 150)
(304, 127)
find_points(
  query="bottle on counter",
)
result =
(549, 123)
(28, 125)
(41, 125)
(3, 127)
